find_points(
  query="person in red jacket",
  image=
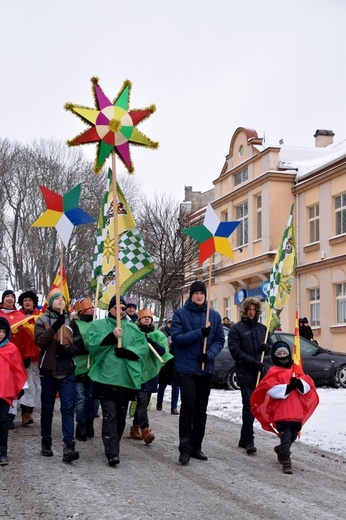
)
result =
(12, 381)
(283, 401)
(28, 301)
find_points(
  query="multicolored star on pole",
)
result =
(113, 125)
(212, 235)
(62, 212)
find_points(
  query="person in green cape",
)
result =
(116, 372)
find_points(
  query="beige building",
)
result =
(257, 186)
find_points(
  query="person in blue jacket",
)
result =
(193, 369)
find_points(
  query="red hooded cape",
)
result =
(12, 373)
(296, 407)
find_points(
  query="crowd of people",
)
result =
(102, 363)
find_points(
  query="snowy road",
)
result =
(150, 484)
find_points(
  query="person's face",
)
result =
(145, 321)
(251, 312)
(226, 321)
(281, 354)
(168, 324)
(58, 304)
(198, 298)
(2, 335)
(88, 312)
(28, 304)
(8, 301)
(113, 311)
(131, 311)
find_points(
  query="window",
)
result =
(314, 223)
(341, 303)
(224, 216)
(315, 320)
(241, 150)
(227, 307)
(242, 229)
(240, 177)
(340, 214)
(259, 217)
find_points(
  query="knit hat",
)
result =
(83, 304)
(28, 294)
(198, 287)
(284, 361)
(128, 305)
(53, 296)
(143, 313)
(5, 326)
(6, 293)
(113, 302)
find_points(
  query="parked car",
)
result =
(324, 366)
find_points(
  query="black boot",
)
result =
(70, 453)
(10, 421)
(90, 428)
(81, 432)
(3, 456)
(46, 447)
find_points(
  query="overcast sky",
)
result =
(208, 66)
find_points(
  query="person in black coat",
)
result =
(246, 344)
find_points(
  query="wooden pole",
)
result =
(116, 244)
(96, 296)
(265, 341)
(61, 280)
(156, 353)
(208, 308)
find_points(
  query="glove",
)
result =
(205, 331)
(294, 383)
(159, 348)
(260, 366)
(265, 347)
(27, 362)
(204, 358)
(60, 321)
(21, 393)
(123, 353)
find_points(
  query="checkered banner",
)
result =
(282, 275)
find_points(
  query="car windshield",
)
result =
(306, 347)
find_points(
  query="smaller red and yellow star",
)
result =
(113, 125)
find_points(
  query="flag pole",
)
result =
(208, 307)
(61, 280)
(96, 296)
(116, 244)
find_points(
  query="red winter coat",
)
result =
(13, 373)
(295, 407)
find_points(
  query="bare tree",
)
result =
(160, 226)
(32, 254)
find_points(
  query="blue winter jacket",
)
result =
(188, 341)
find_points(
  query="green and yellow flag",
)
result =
(281, 276)
(134, 261)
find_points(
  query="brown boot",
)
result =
(148, 437)
(286, 466)
(135, 433)
(27, 419)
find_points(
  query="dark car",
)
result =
(324, 366)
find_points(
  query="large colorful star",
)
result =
(212, 235)
(113, 125)
(62, 212)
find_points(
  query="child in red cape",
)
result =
(283, 401)
(12, 379)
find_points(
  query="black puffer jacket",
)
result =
(244, 342)
(57, 358)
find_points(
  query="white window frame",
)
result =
(241, 176)
(314, 223)
(340, 291)
(340, 214)
(258, 217)
(243, 227)
(315, 307)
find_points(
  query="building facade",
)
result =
(257, 186)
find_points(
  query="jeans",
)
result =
(288, 433)
(174, 395)
(141, 414)
(113, 424)
(194, 393)
(66, 387)
(86, 406)
(247, 433)
(4, 408)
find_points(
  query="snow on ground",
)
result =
(326, 428)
